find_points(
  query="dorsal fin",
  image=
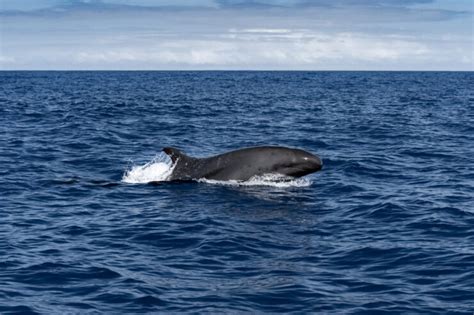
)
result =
(174, 153)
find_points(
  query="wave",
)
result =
(157, 170)
(160, 168)
(274, 180)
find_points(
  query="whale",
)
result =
(243, 164)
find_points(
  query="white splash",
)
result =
(156, 170)
(273, 180)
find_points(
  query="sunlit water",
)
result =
(90, 225)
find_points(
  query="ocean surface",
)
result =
(386, 227)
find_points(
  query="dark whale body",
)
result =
(243, 164)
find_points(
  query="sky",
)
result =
(237, 35)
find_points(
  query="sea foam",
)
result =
(273, 180)
(157, 170)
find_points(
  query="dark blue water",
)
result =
(387, 226)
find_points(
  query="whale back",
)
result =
(243, 164)
(184, 166)
(174, 154)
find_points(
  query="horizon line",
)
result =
(226, 70)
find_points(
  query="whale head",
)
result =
(297, 163)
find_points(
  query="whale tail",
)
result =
(175, 154)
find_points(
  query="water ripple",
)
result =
(386, 227)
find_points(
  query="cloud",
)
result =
(6, 60)
(263, 47)
(55, 5)
(67, 5)
(306, 3)
(163, 3)
(290, 34)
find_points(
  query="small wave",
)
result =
(157, 170)
(274, 180)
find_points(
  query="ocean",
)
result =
(386, 227)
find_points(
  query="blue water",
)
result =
(386, 227)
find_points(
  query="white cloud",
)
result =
(6, 60)
(250, 49)
(161, 3)
(262, 30)
(326, 38)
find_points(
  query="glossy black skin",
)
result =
(244, 163)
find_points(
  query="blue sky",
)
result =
(237, 34)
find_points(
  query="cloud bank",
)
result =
(236, 34)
